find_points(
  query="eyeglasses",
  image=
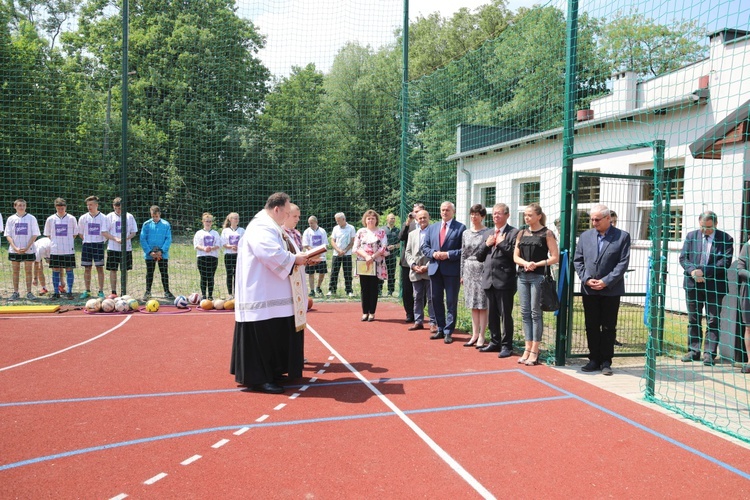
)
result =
(594, 219)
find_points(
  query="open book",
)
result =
(315, 251)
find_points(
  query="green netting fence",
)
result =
(229, 101)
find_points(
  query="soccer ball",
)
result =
(309, 303)
(207, 305)
(152, 306)
(181, 302)
(133, 304)
(126, 297)
(121, 306)
(229, 304)
(93, 305)
(195, 298)
(108, 305)
(218, 304)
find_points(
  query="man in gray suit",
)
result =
(420, 279)
(601, 259)
(499, 281)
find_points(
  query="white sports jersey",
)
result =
(91, 227)
(115, 226)
(62, 232)
(22, 229)
(207, 239)
(42, 248)
(231, 236)
(315, 238)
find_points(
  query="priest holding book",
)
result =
(270, 302)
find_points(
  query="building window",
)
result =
(487, 196)
(675, 192)
(587, 196)
(528, 193)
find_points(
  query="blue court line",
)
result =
(643, 428)
(271, 424)
(219, 391)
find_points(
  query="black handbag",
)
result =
(550, 300)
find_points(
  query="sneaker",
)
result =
(607, 370)
(687, 358)
(100, 294)
(61, 288)
(350, 294)
(168, 295)
(30, 296)
(85, 295)
(146, 296)
(43, 291)
(14, 296)
(54, 296)
(311, 294)
(329, 294)
(70, 296)
(112, 296)
(319, 291)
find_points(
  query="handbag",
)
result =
(550, 300)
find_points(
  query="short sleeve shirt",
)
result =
(91, 227)
(21, 229)
(62, 233)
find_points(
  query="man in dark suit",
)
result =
(499, 281)
(442, 245)
(407, 292)
(706, 255)
(601, 259)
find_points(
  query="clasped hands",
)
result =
(697, 275)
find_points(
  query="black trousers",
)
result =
(345, 262)
(697, 298)
(600, 312)
(407, 294)
(369, 286)
(230, 262)
(207, 269)
(500, 313)
(163, 272)
(390, 265)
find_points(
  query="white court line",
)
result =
(219, 444)
(280, 406)
(120, 496)
(157, 477)
(190, 460)
(458, 468)
(261, 418)
(326, 365)
(321, 372)
(331, 358)
(69, 348)
(304, 388)
(294, 396)
(313, 379)
(241, 431)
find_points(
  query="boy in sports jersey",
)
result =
(114, 247)
(41, 252)
(93, 228)
(61, 228)
(312, 237)
(22, 230)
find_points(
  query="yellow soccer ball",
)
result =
(152, 306)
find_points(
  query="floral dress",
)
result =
(371, 242)
(471, 268)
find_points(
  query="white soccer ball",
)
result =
(181, 302)
(195, 298)
(121, 306)
(108, 305)
(219, 304)
(93, 305)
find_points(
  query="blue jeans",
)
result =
(530, 298)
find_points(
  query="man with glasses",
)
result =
(706, 255)
(601, 259)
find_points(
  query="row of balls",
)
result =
(182, 302)
(120, 304)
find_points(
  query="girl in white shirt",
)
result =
(207, 242)
(230, 236)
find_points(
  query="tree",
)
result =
(637, 43)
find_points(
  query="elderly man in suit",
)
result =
(420, 279)
(442, 246)
(407, 293)
(706, 255)
(601, 259)
(499, 281)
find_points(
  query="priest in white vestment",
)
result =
(270, 302)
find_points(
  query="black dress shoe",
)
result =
(448, 338)
(416, 326)
(591, 366)
(505, 353)
(268, 388)
(708, 359)
(690, 357)
(490, 348)
(409, 320)
(437, 335)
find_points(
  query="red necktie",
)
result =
(497, 237)
(442, 233)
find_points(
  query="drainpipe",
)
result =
(468, 186)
